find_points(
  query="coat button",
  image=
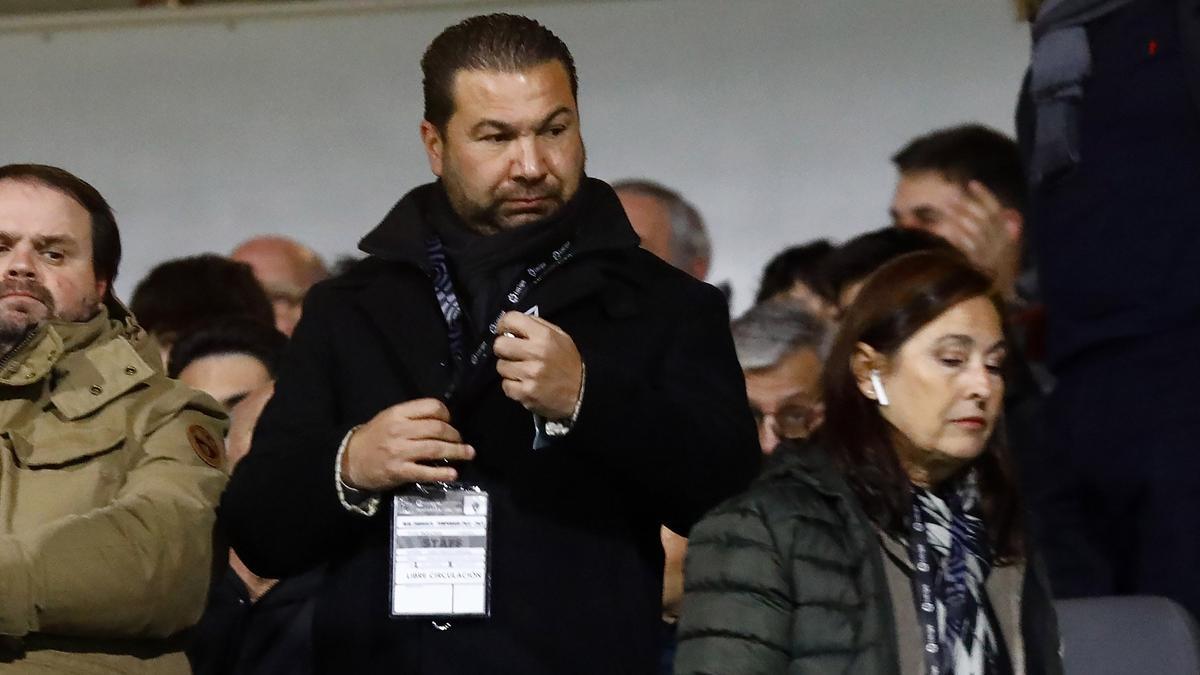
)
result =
(96, 390)
(130, 370)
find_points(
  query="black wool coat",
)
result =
(664, 433)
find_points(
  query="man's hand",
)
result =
(391, 449)
(540, 366)
(977, 224)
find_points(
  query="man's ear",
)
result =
(435, 146)
(101, 290)
(817, 419)
(1014, 224)
(865, 359)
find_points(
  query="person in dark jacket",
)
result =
(610, 404)
(891, 542)
(1109, 123)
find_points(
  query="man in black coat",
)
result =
(611, 402)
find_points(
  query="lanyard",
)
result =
(452, 310)
(923, 580)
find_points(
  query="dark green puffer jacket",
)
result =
(790, 577)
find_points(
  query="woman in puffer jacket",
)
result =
(891, 542)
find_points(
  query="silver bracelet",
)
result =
(352, 499)
(563, 427)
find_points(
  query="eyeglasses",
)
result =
(789, 422)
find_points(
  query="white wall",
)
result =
(775, 116)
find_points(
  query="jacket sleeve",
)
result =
(682, 433)
(737, 604)
(281, 510)
(138, 566)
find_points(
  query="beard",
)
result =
(19, 316)
(497, 211)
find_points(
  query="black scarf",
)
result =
(484, 267)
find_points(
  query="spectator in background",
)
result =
(228, 358)
(847, 268)
(181, 295)
(254, 625)
(286, 269)
(781, 346)
(798, 273)
(109, 470)
(668, 225)
(251, 625)
(892, 542)
(852, 264)
(965, 184)
(671, 228)
(1109, 121)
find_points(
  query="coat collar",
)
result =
(600, 224)
(87, 363)
(400, 300)
(49, 343)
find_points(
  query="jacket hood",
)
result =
(599, 223)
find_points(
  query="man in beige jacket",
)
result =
(109, 471)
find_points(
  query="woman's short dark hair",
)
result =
(229, 335)
(181, 295)
(896, 302)
(502, 42)
(106, 238)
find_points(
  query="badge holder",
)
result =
(441, 553)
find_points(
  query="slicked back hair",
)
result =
(506, 43)
(106, 238)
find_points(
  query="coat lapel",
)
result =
(401, 304)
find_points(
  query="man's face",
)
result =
(46, 268)
(511, 153)
(651, 220)
(226, 377)
(283, 280)
(923, 200)
(786, 398)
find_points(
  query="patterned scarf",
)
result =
(956, 536)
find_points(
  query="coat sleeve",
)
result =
(138, 566)
(737, 605)
(281, 510)
(682, 433)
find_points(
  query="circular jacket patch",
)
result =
(207, 448)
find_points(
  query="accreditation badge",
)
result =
(440, 551)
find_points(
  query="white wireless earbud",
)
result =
(877, 385)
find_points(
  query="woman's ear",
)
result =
(864, 360)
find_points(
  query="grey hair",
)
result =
(771, 330)
(689, 237)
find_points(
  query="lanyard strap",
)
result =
(923, 580)
(451, 307)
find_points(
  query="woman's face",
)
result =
(945, 388)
